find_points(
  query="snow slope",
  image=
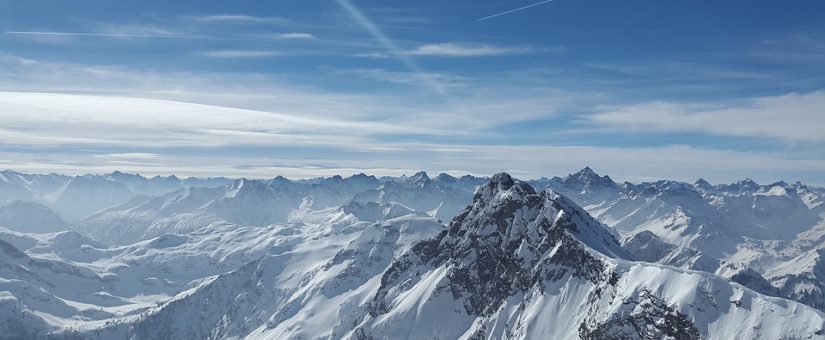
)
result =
(31, 217)
(747, 232)
(264, 202)
(515, 264)
(565, 277)
(361, 257)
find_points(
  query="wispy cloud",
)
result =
(175, 115)
(462, 50)
(128, 32)
(456, 50)
(230, 54)
(109, 35)
(683, 71)
(375, 55)
(791, 117)
(469, 110)
(419, 79)
(130, 156)
(242, 18)
(385, 40)
(129, 121)
(296, 35)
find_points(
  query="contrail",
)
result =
(514, 10)
(388, 43)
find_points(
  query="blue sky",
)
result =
(635, 89)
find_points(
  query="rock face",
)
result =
(647, 317)
(508, 241)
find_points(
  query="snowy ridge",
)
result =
(30, 217)
(744, 231)
(488, 284)
(265, 202)
(360, 257)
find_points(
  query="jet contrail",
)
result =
(388, 43)
(514, 10)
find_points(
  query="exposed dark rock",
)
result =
(647, 317)
(510, 240)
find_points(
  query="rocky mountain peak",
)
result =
(246, 186)
(363, 177)
(445, 178)
(502, 184)
(586, 180)
(510, 239)
(703, 184)
(587, 171)
(747, 184)
(515, 211)
(419, 177)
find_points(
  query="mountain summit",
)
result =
(518, 263)
(588, 180)
(509, 240)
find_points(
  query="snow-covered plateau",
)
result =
(122, 256)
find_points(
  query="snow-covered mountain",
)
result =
(264, 202)
(521, 264)
(442, 198)
(514, 263)
(361, 257)
(84, 195)
(76, 197)
(751, 233)
(67, 284)
(31, 217)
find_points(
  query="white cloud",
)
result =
(389, 44)
(461, 50)
(423, 79)
(49, 119)
(139, 30)
(229, 54)
(178, 116)
(470, 110)
(47, 36)
(131, 155)
(241, 18)
(374, 55)
(791, 117)
(297, 36)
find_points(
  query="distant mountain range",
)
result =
(418, 257)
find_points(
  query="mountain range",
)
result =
(360, 257)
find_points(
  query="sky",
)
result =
(636, 89)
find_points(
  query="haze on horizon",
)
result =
(637, 90)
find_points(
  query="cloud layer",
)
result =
(463, 50)
(791, 117)
(322, 88)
